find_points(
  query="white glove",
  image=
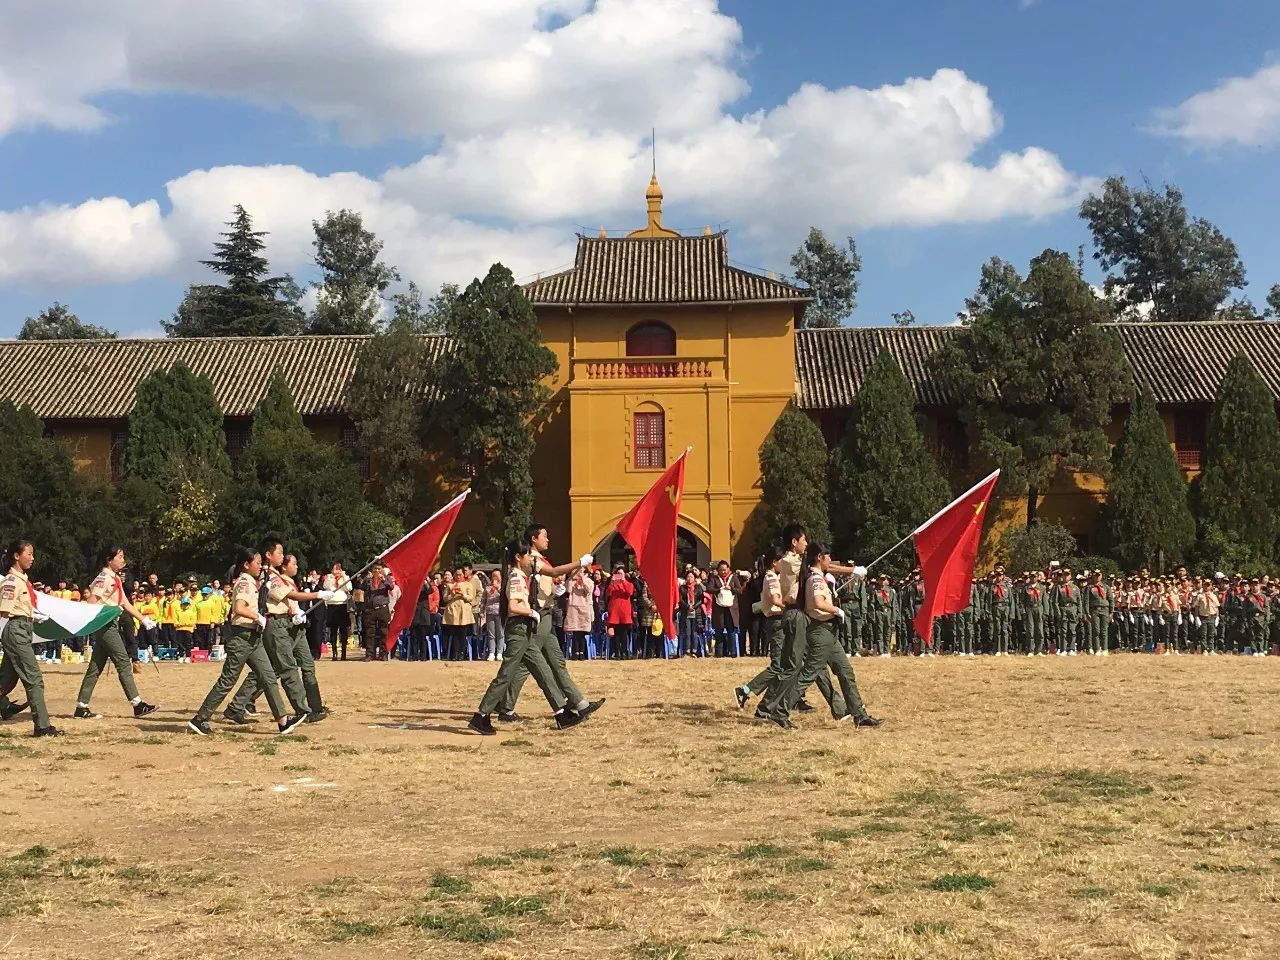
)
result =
(586, 560)
(840, 613)
(536, 619)
(860, 572)
(148, 623)
(262, 622)
(326, 595)
(561, 590)
(298, 619)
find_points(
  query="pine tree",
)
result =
(1038, 372)
(251, 303)
(1238, 489)
(491, 388)
(1146, 518)
(385, 399)
(884, 479)
(175, 420)
(793, 475)
(289, 482)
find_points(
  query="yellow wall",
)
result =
(585, 478)
(89, 444)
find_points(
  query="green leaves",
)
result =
(793, 472)
(348, 298)
(56, 322)
(831, 275)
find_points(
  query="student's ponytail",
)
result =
(811, 556)
(766, 560)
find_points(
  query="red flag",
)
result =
(947, 544)
(650, 529)
(411, 558)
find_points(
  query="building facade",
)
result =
(662, 344)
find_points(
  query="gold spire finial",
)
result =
(603, 235)
(653, 199)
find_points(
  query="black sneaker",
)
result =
(760, 714)
(84, 713)
(142, 708)
(232, 717)
(290, 723)
(567, 718)
(782, 722)
(11, 710)
(803, 706)
(510, 717)
(315, 716)
(480, 723)
(869, 721)
(49, 731)
(591, 708)
(740, 694)
(196, 725)
(251, 711)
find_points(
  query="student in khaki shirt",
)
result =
(108, 644)
(771, 607)
(17, 612)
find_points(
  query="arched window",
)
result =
(651, 339)
(649, 437)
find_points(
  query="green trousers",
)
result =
(278, 645)
(1000, 629)
(771, 634)
(544, 637)
(823, 653)
(786, 690)
(880, 627)
(1098, 627)
(1066, 636)
(20, 666)
(522, 657)
(108, 645)
(1033, 625)
(243, 648)
(293, 645)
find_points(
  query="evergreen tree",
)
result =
(251, 303)
(385, 399)
(491, 388)
(1182, 268)
(1146, 518)
(58, 323)
(349, 297)
(289, 482)
(175, 420)
(1034, 546)
(831, 275)
(793, 475)
(1037, 372)
(1238, 489)
(65, 514)
(884, 480)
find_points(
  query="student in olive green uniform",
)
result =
(881, 603)
(1098, 600)
(543, 600)
(17, 612)
(1001, 611)
(1033, 607)
(822, 652)
(292, 644)
(523, 652)
(771, 607)
(1065, 599)
(107, 588)
(244, 648)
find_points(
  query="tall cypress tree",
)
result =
(290, 482)
(1238, 490)
(884, 479)
(1147, 517)
(793, 475)
(175, 419)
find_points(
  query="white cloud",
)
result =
(537, 112)
(1239, 110)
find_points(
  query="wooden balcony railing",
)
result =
(651, 368)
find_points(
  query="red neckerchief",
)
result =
(1035, 593)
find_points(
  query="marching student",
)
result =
(107, 588)
(17, 612)
(523, 653)
(244, 648)
(771, 607)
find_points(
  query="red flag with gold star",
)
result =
(947, 544)
(650, 529)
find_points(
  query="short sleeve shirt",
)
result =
(546, 592)
(772, 590)
(17, 598)
(817, 588)
(517, 586)
(106, 587)
(244, 589)
(790, 577)
(278, 590)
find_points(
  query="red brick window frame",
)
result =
(649, 439)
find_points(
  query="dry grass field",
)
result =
(1082, 808)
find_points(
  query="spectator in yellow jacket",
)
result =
(207, 608)
(184, 625)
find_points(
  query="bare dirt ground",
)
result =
(1011, 808)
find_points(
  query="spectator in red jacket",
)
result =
(618, 593)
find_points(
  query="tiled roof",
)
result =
(640, 270)
(91, 379)
(1181, 362)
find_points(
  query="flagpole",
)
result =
(351, 576)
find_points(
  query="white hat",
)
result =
(1219, 575)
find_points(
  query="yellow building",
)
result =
(661, 344)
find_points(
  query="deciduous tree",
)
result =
(56, 322)
(831, 274)
(348, 298)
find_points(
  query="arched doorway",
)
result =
(689, 549)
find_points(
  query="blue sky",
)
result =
(937, 133)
